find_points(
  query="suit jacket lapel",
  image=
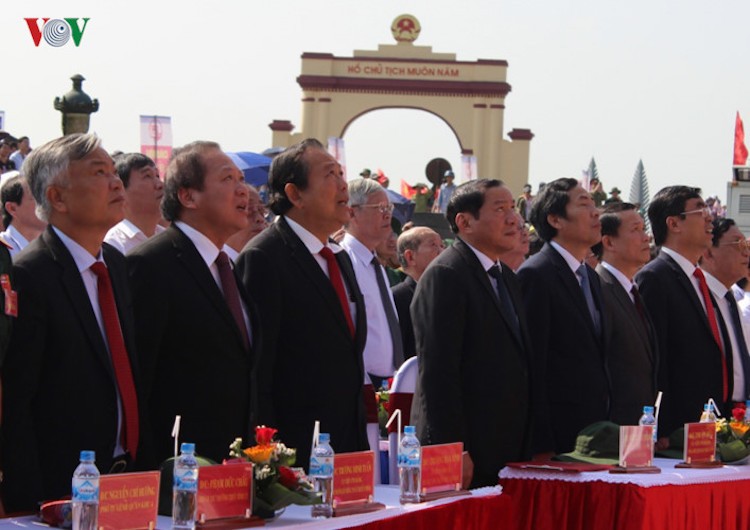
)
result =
(315, 274)
(687, 285)
(482, 277)
(79, 298)
(188, 255)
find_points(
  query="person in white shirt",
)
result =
(19, 217)
(20, 154)
(143, 191)
(370, 224)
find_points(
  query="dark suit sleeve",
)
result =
(21, 376)
(438, 312)
(262, 282)
(151, 307)
(537, 306)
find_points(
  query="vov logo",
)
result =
(56, 31)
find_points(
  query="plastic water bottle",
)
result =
(86, 493)
(409, 466)
(648, 419)
(321, 472)
(708, 415)
(185, 489)
(747, 411)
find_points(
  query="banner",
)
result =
(156, 141)
(468, 168)
(336, 150)
(740, 151)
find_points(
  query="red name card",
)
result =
(636, 445)
(225, 491)
(128, 501)
(700, 443)
(442, 466)
(353, 478)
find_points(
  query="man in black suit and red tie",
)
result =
(562, 297)
(694, 349)
(632, 353)
(197, 330)
(472, 340)
(310, 366)
(70, 379)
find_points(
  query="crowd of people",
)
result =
(133, 298)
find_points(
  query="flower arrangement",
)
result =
(381, 399)
(733, 436)
(277, 484)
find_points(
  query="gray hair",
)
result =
(360, 189)
(48, 165)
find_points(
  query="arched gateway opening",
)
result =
(469, 96)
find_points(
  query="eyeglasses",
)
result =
(383, 207)
(743, 245)
(705, 212)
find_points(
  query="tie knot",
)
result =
(222, 260)
(699, 274)
(375, 262)
(327, 253)
(99, 268)
(495, 272)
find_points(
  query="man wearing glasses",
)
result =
(370, 225)
(695, 360)
(724, 263)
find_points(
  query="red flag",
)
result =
(740, 151)
(407, 191)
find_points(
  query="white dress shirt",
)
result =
(14, 238)
(378, 352)
(688, 268)
(125, 236)
(624, 281)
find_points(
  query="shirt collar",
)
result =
(687, 267)
(624, 281)
(203, 245)
(17, 236)
(718, 288)
(313, 244)
(486, 262)
(363, 253)
(572, 262)
(81, 256)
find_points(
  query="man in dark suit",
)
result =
(310, 366)
(69, 379)
(724, 263)
(632, 354)
(416, 248)
(692, 362)
(562, 298)
(196, 328)
(472, 342)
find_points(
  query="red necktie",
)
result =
(120, 360)
(334, 273)
(714, 327)
(232, 295)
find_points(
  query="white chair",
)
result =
(401, 395)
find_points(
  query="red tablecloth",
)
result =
(560, 505)
(470, 513)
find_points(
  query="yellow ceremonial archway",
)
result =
(469, 96)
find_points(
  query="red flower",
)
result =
(738, 413)
(264, 435)
(390, 383)
(287, 478)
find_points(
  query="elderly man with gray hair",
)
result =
(370, 224)
(70, 375)
(416, 248)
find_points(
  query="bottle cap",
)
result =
(187, 447)
(88, 455)
(324, 438)
(648, 409)
(706, 407)
(410, 429)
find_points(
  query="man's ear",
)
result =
(187, 198)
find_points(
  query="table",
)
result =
(483, 508)
(695, 499)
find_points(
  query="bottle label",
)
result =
(410, 457)
(321, 466)
(186, 479)
(85, 490)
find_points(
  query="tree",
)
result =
(639, 194)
